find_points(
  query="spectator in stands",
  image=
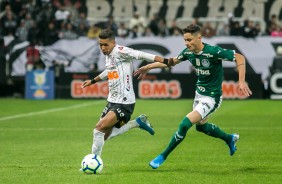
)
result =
(30, 6)
(81, 30)
(208, 31)
(21, 32)
(71, 8)
(134, 32)
(28, 21)
(69, 32)
(7, 10)
(82, 20)
(235, 28)
(249, 30)
(94, 31)
(154, 24)
(272, 24)
(258, 29)
(111, 24)
(174, 30)
(122, 30)
(223, 30)
(44, 16)
(61, 15)
(34, 34)
(50, 34)
(137, 21)
(148, 32)
(164, 31)
(33, 58)
(9, 24)
(276, 31)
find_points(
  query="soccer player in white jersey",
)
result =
(115, 117)
(207, 61)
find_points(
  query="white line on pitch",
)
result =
(48, 111)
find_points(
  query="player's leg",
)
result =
(103, 127)
(141, 122)
(192, 118)
(207, 106)
(187, 122)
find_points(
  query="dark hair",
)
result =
(192, 28)
(107, 34)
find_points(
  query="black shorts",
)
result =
(123, 112)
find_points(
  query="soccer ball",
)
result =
(92, 164)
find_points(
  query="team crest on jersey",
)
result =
(120, 48)
(205, 63)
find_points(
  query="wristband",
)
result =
(93, 81)
(165, 61)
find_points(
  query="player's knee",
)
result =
(184, 126)
(201, 128)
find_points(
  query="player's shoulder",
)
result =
(123, 49)
(186, 51)
(212, 49)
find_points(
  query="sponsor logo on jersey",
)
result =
(202, 72)
(205, 62)
(113, 75)
(201, 88)
(207, 55)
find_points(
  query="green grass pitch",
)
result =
(45, 141)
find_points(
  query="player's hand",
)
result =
(169, 63)
(141, 72)
(244, 88)
(85, 84)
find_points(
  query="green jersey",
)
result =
(208, 67)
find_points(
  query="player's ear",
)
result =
(200, 37)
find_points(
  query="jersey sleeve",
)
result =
(128, 53)
(224, 54)
(182, 56)
(104, 75)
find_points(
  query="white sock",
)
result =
(98, 142)
(117, 131)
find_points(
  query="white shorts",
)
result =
(205, 105)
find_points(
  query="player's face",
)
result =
(193, 42)
(106, 45)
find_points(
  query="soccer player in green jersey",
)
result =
(207, 61)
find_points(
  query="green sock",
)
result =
(214, 131)
(177, 137)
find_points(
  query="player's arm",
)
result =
(98, 78)
(241, 66)
(142, 72)
(154, 58)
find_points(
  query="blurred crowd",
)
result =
(46, 21)
(43, 22)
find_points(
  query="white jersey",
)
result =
(119, 72)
